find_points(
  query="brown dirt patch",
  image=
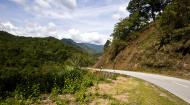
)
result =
(100, 101)
(122, 97)
(116, 89)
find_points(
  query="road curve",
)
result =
(176, 86)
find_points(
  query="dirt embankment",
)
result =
(145, 53)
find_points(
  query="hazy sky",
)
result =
(89, 21)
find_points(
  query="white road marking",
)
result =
(182, 85)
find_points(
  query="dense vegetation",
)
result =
(170, 15)
(29, 66)
(142, 12)
(174, 24)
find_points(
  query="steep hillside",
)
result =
(121, 56)
(146, 53)
(91, 48)
(162, 46)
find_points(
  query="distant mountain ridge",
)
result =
(91, 48)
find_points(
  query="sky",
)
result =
(86, 21)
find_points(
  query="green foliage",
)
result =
(80, 60)
(31, 84)
(75, 82)
(107, 45)
(125, 29)
(56, 81)
(19, 52)
(147, 8)
(30, 91)
(175, 16)
(174, 25)
(82, 97)
(33, 65)
(142, 11)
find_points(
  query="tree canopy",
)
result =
(175, 16)
(142, 12)
(147, 8)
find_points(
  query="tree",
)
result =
(121, 29)
(147, 8)
(175, 16)
(107, 44)
(137, 6)
(126, 26)
(2, 27)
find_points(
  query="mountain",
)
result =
(31, 52)
(93, 48)
(145, 53)
(90, 48)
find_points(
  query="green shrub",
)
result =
(32, 82)
(82, 97)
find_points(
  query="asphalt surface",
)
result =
(176, 86)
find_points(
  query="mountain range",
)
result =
(90, 48)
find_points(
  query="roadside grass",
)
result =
(132, 91)
(101, 88)
(125, 90)
(144, 93)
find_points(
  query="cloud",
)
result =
(87, 37)
(66, 9)
(48, 8)
(9, 27)
(92, 22)
(47, 3)
(69, 3)
(121, 12)
(116, 16)
(37, 30)
(42, 3)
(73, 32)
(32, 29)
(122, 9)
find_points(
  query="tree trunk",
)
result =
(153, 15)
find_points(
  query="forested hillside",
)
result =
(22, 51)
(90, 48)
(27, 64)
(155, 37)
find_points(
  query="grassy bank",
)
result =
(98, 88)
(53, 83)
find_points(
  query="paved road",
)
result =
(178, 87)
